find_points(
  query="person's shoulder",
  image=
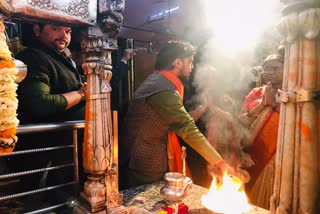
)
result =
(154, 76)
(157, 77)
(154, 83)
(123, 62)
(30, 52)
(157, 80)
(32, 55)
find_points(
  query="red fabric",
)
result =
(169, 210)
(254, 97)
(183, 209)
(264, 145)
(174, 151)
(175, 148)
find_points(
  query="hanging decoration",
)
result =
(8, 97)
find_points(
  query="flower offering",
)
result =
(8, 97)
(181, 209)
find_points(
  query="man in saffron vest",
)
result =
(156, 109)
(260, 113)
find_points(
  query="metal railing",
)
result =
(73, 126)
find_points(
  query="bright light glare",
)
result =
(238, 24)
(219, 198)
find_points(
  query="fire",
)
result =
(227, 198)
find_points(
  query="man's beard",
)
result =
(184, 78)
(59, 47)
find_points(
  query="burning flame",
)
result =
(227, 198)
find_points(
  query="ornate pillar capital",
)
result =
(292, 6)
(309, 21)
(305, 23)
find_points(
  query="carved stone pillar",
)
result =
(296, 188)
(101, 188)
(99, 153)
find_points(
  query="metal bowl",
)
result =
(22, 71)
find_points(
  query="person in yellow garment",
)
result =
(156, 109)
(260, 113)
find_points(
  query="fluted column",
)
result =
(296, 188)
(98, 137)
(99, 152)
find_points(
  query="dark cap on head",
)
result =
(171, 51)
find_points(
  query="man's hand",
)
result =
(219, 169)
(83, 90)
(127, 54)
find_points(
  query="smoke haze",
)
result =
(220, 30)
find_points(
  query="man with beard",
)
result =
(53, 90)
(156, 109)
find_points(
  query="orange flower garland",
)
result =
(9, 133)
(6, 63)
(9, 102)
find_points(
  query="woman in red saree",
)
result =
(260, 113)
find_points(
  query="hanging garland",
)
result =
(8, 97)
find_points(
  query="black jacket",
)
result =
(50, 74)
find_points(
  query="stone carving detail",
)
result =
(110, 16)
(309, 20)
(111, 5)
(43, 4)
(94, 192)
(289, 28)
(105, 77)
(114, 199)
(96, 41)
(306, 22)
(74, 8)
(67, 11)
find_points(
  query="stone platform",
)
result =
(148, 198)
